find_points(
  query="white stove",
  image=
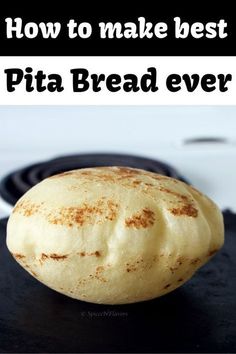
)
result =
(198, 141)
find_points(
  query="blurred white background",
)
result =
(76, 128)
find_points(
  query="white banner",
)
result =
(117, 80)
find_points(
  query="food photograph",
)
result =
(117, 229)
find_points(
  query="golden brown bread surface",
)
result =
(113, 234)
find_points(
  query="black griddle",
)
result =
(199, 317)
(15, 184)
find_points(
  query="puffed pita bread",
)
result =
(114, 235)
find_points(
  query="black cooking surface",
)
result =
(14, 185)
(198, 317)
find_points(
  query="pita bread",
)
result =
(114, 235)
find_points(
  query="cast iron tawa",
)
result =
(198, 317)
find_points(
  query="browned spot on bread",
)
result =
(130, 269)
(180, 279)
(18, 255)
(112, 210)
(184, 203)
(82, 281)
(142, 219)
(100, 278)
(89, 174)
(44, 256)
(136, 182)
(140, 264)
(104, 177)
(212, 252)
(195, 261)
(175, 181)
(127, 171)
(187, 210)
(155, 258)
(149, 184)
(180, 196)
(158, 177)
(96, 254)
(85, 214)
(27, 208)
(86, 173)
(167, 286)
(122, 174)
(173, 269)
(99, 269)
(55, 256)
(98, 174)
(181, 260)
(98, 274)
(58, 257)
